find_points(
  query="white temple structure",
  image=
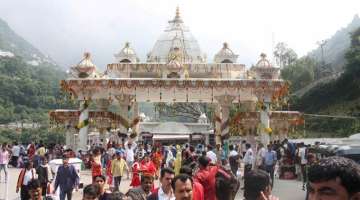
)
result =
(176, 71)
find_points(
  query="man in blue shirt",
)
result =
(67, 178)
(270, 162)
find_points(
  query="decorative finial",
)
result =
(225, 45)
(127, 44)
(263, 55)
(177, 16)
(87, 55)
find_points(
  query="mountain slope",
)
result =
(29, 81)
(336, 47)
(340, 97)
(11, 44)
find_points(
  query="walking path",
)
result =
(284, 189)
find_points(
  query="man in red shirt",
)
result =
(198, 189)
(206, 177)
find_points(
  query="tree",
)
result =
(300, 73)
(284, 55)
(188, 112)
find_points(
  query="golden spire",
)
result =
(87, 55)
(177, 16)
(225, 45)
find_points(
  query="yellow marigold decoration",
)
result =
(268, 130)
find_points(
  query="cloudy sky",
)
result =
(64, 29)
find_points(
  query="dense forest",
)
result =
(29, 88)
(338, 97)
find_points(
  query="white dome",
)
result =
(176, 35)
(127, 54)
(225, 55)
(263, 62)
(85, 68)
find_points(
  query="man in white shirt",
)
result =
(233, 159)
(211, 155)
(164, 192)
(303, 162)
(248, 161)
(15, 154)
(130, 153)
(260, 157)
(249, 156)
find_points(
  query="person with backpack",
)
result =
(27, 174)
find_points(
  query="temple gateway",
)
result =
(176, 70)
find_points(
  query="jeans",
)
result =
(4, 167)
(117, 180)
(270, 170)
(65, 193)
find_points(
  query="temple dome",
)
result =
(263, 62)
(85, 68)
(126, 55)
(225, 55)
(176, 35)
(264, 69)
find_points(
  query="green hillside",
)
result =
(29, 88)
(339, 97)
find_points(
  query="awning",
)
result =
(170, 137)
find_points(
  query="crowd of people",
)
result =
(184, 171)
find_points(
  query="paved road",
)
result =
(284, 189)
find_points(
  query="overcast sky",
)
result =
(64, 29)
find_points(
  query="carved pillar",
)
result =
(217, 131)
(124, 103)
(68, 137)
(103, 105)
(135, 114)
(225, 102)
(103, 133)
(83, 125)
(265, 121)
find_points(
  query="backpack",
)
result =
(226, 184)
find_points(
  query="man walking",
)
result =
(233, 160)
(270, 162)
(248, 158)
(118, 166)
(67, 178)
(15, 154)
(129, 155)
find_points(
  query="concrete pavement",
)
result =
(284, 189)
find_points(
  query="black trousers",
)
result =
(117, 180)
(270, 170)
(24, 193)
